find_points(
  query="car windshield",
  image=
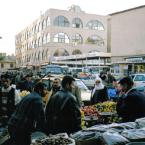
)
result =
(81, 85)
(54, 70)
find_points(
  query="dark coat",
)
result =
(28, 114)
(131, 106)
(7, 102)
(100, 96)
(62, 113)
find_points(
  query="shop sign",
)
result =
(135, 59)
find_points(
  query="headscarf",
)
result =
(98, 86)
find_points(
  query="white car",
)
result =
(85, 92)
(138, 79)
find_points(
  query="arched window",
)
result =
(48, 21)
(46, 54)
(44, 39)
(61, 21)
(35, 29)
(95, 25)
(39, 41)
(43, 55)
(61, 52)
(77, 38)
(44, 24)
(38, 56)
(61, 38)
(94, 39)
(77, 23)
(39, 27)
(76, 51)
(47, 37)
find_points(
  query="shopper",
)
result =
(28, 116)
(99, 92)
(9, 97)
(62, 110)
(56, 85)
(131, 104)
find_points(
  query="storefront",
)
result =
(130, 65)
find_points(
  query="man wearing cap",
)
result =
(131, 104)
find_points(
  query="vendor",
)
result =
(131, 103)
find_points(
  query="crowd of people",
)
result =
(60, 110)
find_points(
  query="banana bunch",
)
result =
(83, 119)
(24, 93)
(107, 106)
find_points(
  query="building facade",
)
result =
(7, 63)
(61, 33)
(128, 40)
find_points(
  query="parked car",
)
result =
(85, 92)
(138, 79)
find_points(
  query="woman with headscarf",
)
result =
(99, 92)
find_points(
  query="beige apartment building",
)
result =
(128, 40)
(61, 33)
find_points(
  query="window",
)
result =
(61, 38)
(2, 65)
(77, 23)
(47, 38)
(39, 41)
(76, 51)
(44, 39)
(139, 78)
(77, 38)
(61, 21)
(95, 25)
(94, 39)
(48, 21)
(44, 24)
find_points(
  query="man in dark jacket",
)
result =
(9, 98)
(131, 104)
(28, 116)
(62, 110)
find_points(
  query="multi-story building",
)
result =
(61, 33)
(128, 40)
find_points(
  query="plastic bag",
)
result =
(85, 137)
(134, 134)
(114, 139)
(140, 122)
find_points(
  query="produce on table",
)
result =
(90, 111)
(54, 141)
(107, 106)
(24, 93)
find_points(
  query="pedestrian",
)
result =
(131, 103)
(28, 117)
(9, 97)
(56, 85)
(99, 93)
(62, 111)
(76, 91)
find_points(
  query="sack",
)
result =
(114, 139)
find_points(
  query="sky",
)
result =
(16, 15)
